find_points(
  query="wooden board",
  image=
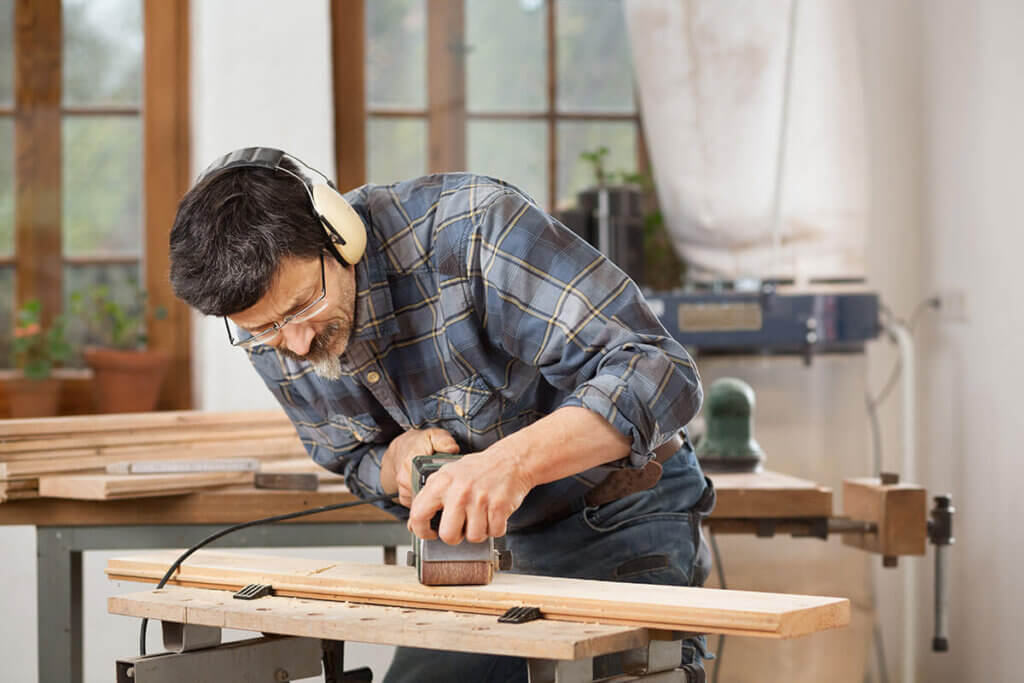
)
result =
(769, 495)
(112, 486)
(224, 505)
(347, 621)
(99, 458)
(193, 419)
(899, 510)
(701, 610)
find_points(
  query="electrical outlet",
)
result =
(953, 305)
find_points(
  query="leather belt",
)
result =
(621, 483)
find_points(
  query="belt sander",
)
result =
(440, 564)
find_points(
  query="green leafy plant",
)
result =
(596, 159)
(36, 350)
(117, 322)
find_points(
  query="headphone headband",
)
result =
(345, 229)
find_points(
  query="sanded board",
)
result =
(347, 621)
(769, 495)
(110, 486)
(702, 610)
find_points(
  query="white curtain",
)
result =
(711, 77)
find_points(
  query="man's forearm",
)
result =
(566, 442)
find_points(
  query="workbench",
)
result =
(306, 632)
(66, 528)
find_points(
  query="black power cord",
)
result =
(245, 525)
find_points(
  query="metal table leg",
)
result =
(59, 606)
(59, 570)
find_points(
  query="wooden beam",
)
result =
(674, 608)
(769, 495)
(37, 163)
(899, 510)
(167, 176)
(376, 624)
(446, 86)
(348, 59)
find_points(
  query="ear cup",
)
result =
(329, 203)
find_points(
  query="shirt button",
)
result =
(373, 377)
(459, 411)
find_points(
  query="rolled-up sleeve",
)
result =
(551, 300)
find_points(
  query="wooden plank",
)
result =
(227, 505)
(111, 486)
(348, 621)
(286, 450)
(166, 177)
(702, 610)
(769, 495)
(149, 436)
(81, 424)
(899, 510)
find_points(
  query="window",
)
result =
(512, 89)
(93, 158)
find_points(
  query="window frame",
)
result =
(38, 113)
(445, 113)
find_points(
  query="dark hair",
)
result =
(230, 233)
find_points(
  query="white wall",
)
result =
(974, 147)
(261, 75)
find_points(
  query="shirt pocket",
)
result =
(471, 404)
(354, 428)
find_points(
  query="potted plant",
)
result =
(127, 375)
(35, 351)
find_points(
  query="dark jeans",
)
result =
(648, 537)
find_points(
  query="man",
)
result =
(474, 323)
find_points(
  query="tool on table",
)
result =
(184, 466)
(729, 445)
(440, 564)
(288, 481)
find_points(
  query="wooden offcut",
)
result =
(676, 608)
(760, 495)
(113, 486)
(898, 510)
(347, 621)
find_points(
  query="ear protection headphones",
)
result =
(345, 229)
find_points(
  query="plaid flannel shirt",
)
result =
(478, 313)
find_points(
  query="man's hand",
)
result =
(396, 465)
(478, 493)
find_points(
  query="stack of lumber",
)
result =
(67, 457)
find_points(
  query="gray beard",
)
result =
(321, 357)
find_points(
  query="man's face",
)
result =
(320, 339)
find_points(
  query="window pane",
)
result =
(574, 138)
(594, 68)
(6, 52)
(506, 62)
(396, 54)
(6, 314)
(102, 185)
(514, 151)
(6, 185)
(122, 279)
(102, 52)
(396, 149)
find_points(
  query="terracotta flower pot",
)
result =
(126, 381)
(33, 397)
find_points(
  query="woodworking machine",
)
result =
(440, 564)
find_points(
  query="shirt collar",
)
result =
(374, 311)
